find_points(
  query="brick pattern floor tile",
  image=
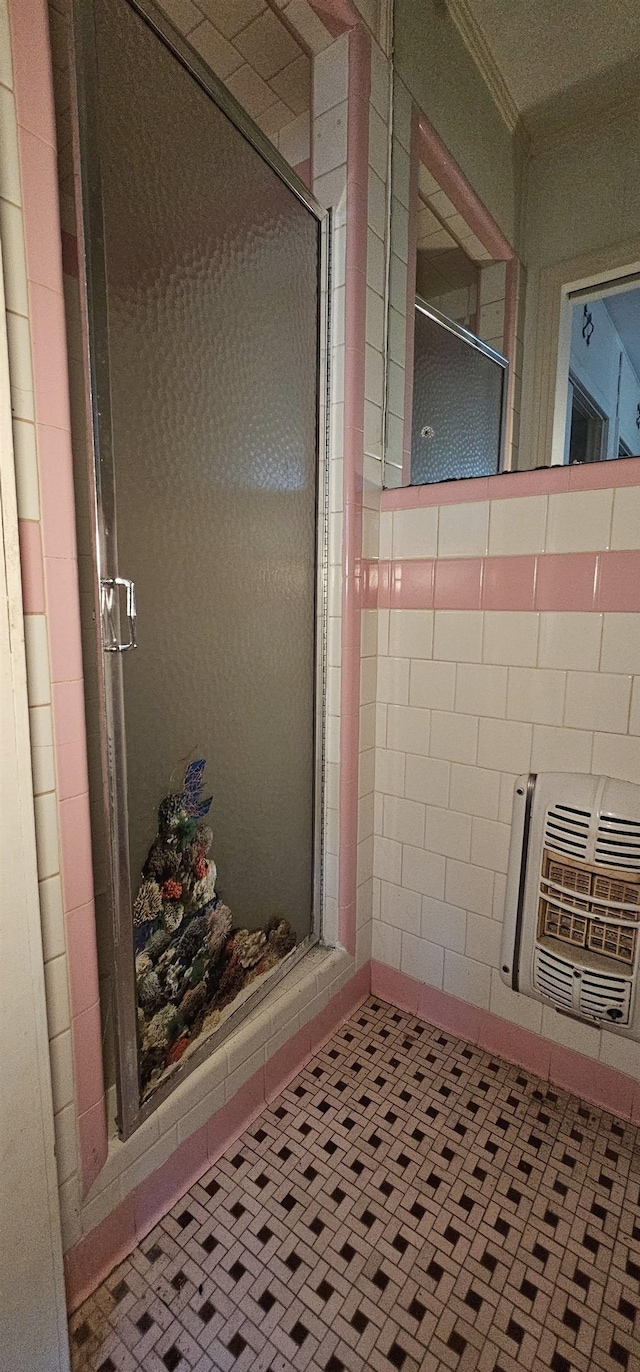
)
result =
(408, 1203)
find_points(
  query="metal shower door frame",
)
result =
(100, 456)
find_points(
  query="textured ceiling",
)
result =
(543, 47)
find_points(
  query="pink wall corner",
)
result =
(593, 1081)
(356, 990)
(394, 986)
(159, 1192)
(445, 1011)
(514, 1044)
(92, 1140)
(31, 567)
(95, 1256)
(85, 1033)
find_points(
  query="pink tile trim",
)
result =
(55, 465)
(29, 25)
(597, 1083)
(92, 1137)
(83, 980)
(355, 312)
(551, 581)
(594, 476)
(336, 15)
(448, 1013)
(593, 1081)
(395, 987)
(458, 583)
(94, 1256)
(32, 68)
(68, 712)
(411, 583)
(508, 583)
(618, 581)
(449, 176)
(566, 581)
(31, 566)
(77, 871)
(85, 1030)
(38, 165)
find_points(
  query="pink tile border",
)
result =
(437, 158)
(589, 582)
(31, 566)
(95, 1255)
(593, 1081)
(58, 572)
(593, 476)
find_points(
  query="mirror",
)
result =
(451, 339)
(603, 391)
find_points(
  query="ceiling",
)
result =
(543, 48)
(624, 312)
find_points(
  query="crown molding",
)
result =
(476, 43)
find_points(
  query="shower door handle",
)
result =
(108, 592)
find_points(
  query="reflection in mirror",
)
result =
(452, 296)
(603, 395)
(458, 410)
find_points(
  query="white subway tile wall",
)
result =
(491, 695)
(36, 637)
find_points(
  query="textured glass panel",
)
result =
(212, 289)
(457, 392)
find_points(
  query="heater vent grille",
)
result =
(567, 830)
(554, 978)
(596, 995)
(572, 911)
(605, 998)
(618, 842)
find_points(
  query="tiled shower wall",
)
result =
(509, 640)
(142, 1174)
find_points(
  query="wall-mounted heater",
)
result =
(572, 918)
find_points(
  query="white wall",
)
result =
(468, 700)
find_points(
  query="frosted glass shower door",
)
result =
(459, 400)
(204, 310)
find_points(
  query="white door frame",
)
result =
(33, 1328)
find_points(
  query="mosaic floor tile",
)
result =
(409, 1203)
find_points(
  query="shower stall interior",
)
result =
(205, 287)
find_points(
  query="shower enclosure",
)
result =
(205, 267)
